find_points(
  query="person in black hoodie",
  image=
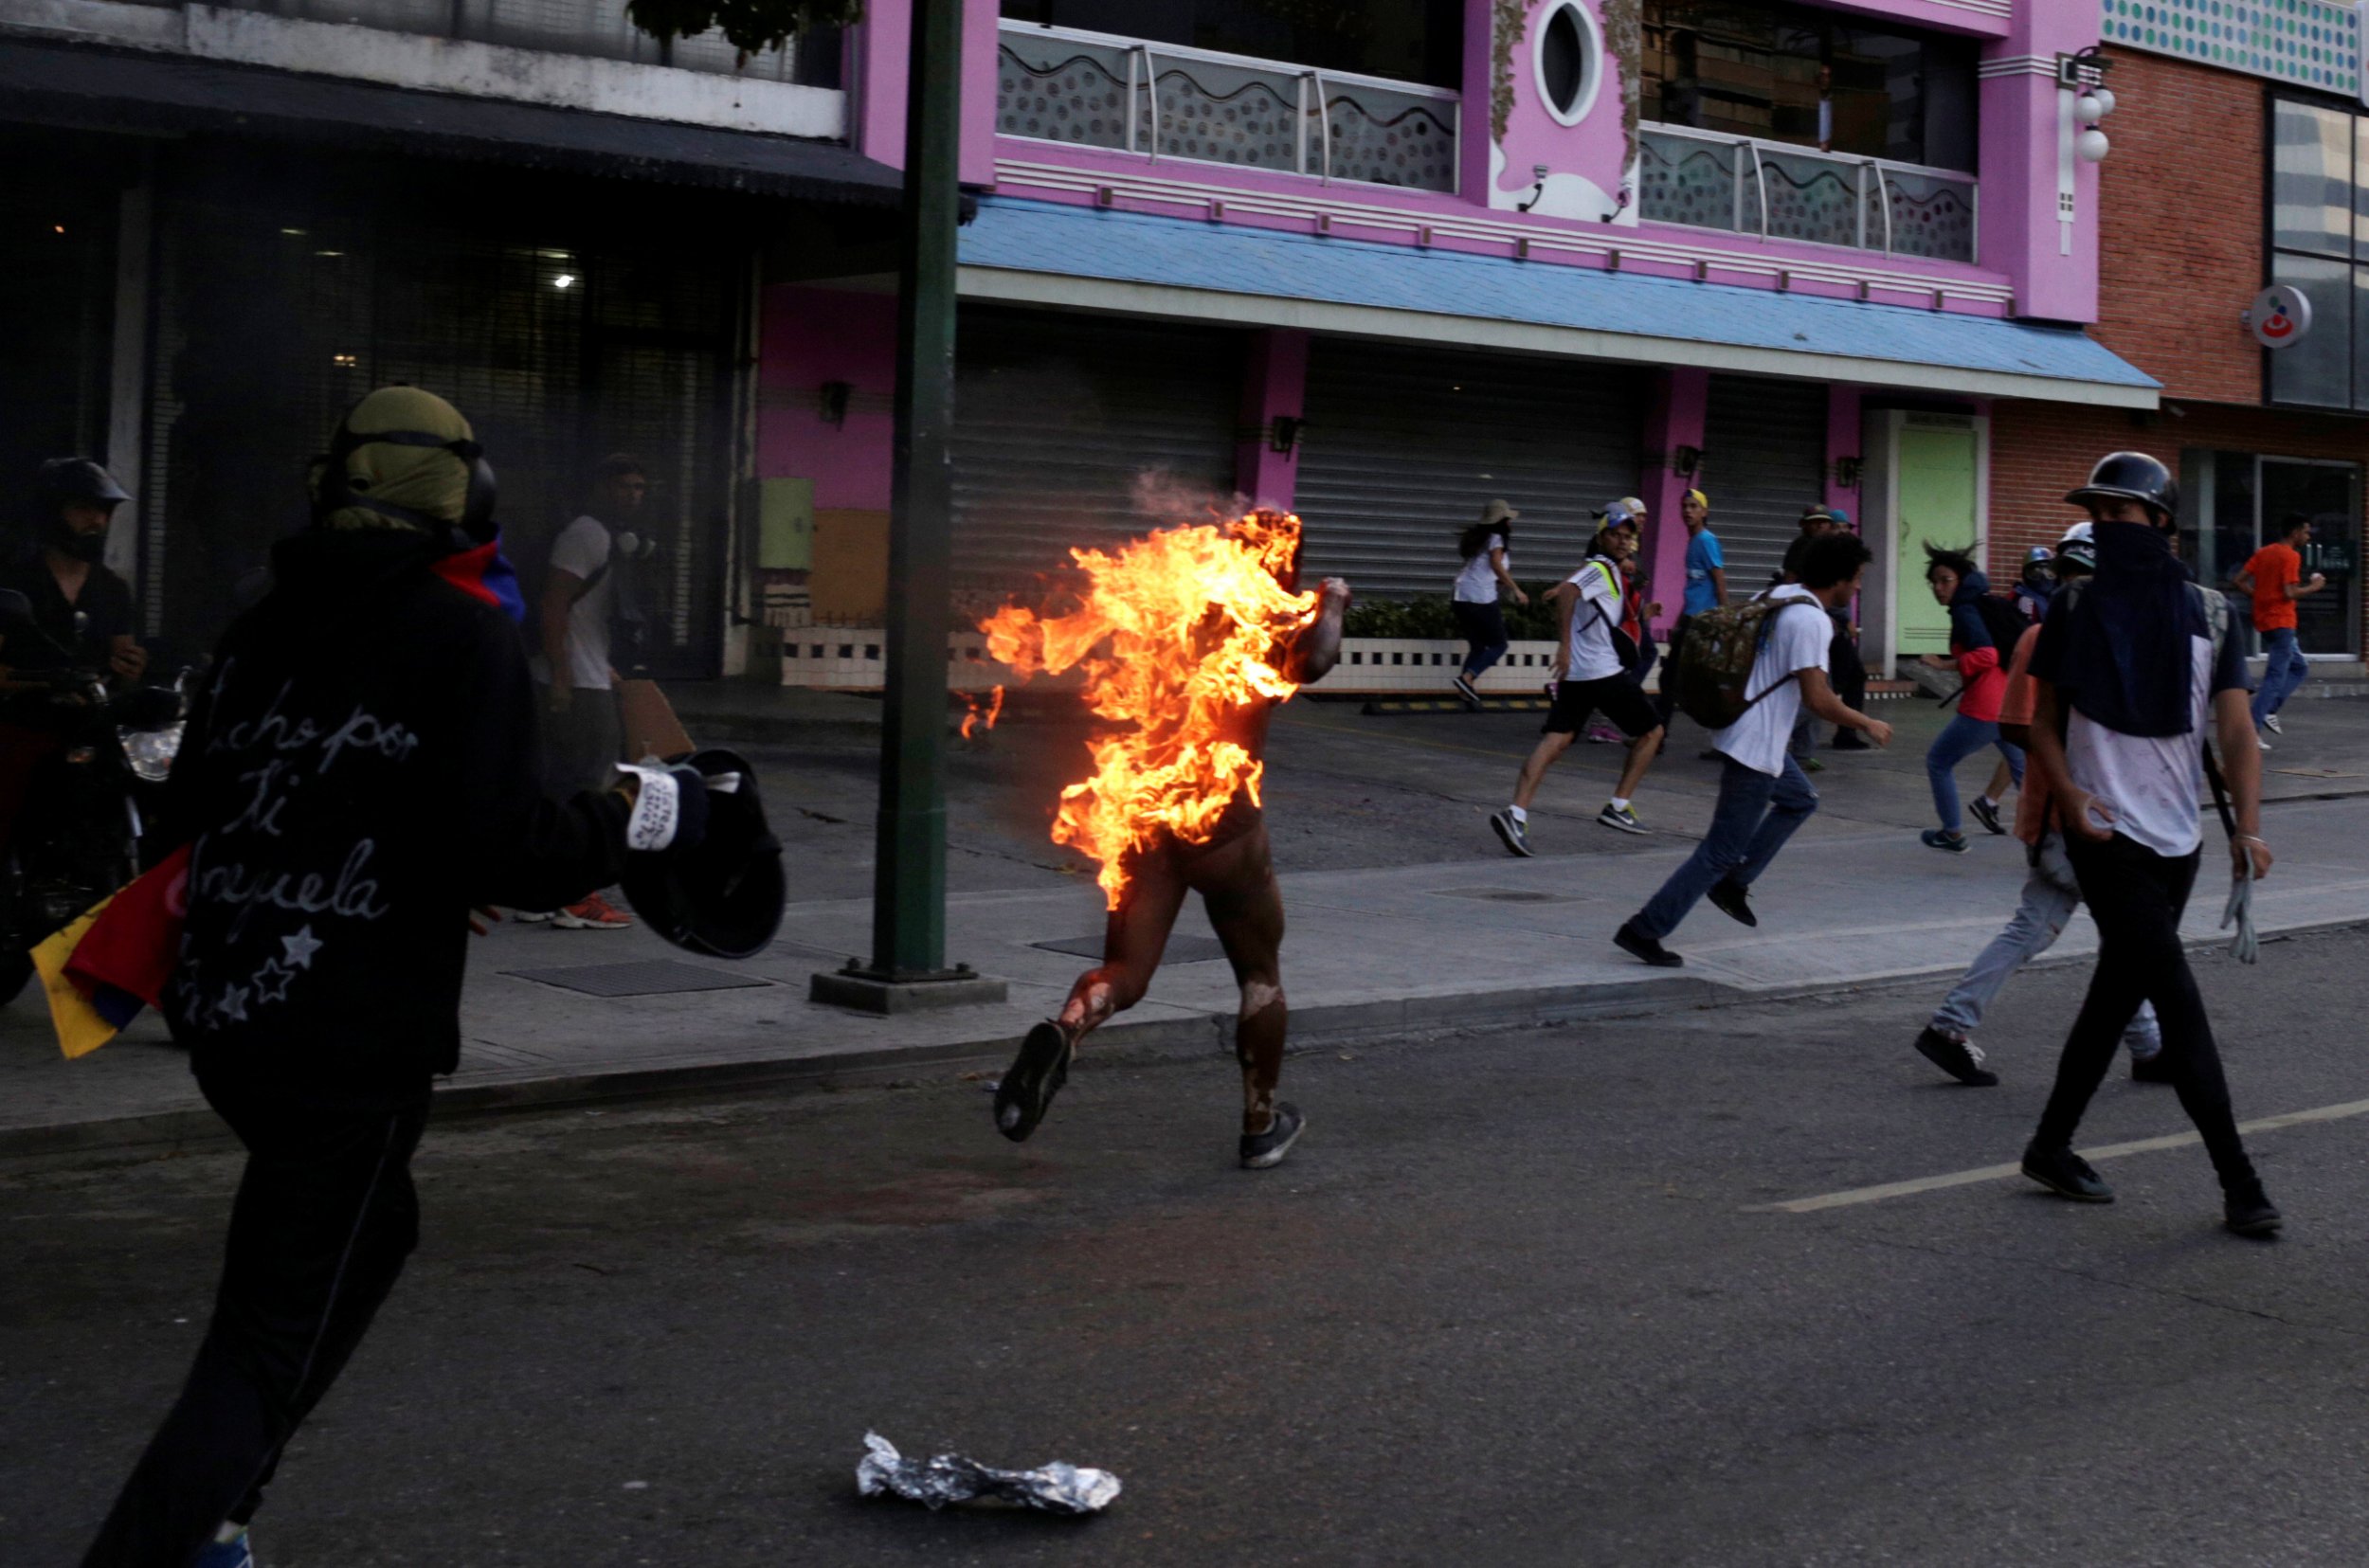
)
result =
(348, 800)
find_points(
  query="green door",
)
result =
(1937, 505)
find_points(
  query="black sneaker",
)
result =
(1637, 944)
(1942, 839)
(1465, 688)
(2065, 1174)
(1620, 817)
(1986, 813)
(1262, 1151)
(2152, 1069)
(1959, 1060)
(1734, 900)
(2247, 1211)
(1038, 1073)
(1511, 832)
(1850, 740)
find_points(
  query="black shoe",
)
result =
(1986, 813)
(2155, 1069)
(1850, 740)
(1734, 900)
(1637, 944)
(1465, 688)
(2065, 1174)
(1956, 1057)
(1263, 1149)
(2246, 1210)
(1038, 1073)
(1512, 833)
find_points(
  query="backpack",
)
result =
(1712, 676)
(2004, 622)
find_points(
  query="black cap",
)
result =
(65, 480)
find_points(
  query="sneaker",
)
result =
(2270, 722)
(593, 914)
(1731, 898)
(1511, 832)
(2065, 1174)
(1986, 813)
(1620, 817)
(530, 917)
(1262, 1151)
(2261, 743)
(2153, 1068)
(1933, 837)
(1637, 944)
(1038, 1073)
(1811, 764)
(1465, 688)
(1850, 740)
(1957, 1057)
(229, 1554)
(1603, 734)
(2247, 1211)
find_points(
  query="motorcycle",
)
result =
(93, 773)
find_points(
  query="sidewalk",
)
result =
(1377, 950)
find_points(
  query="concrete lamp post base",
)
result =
(867, 991)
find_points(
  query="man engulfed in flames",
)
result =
(1187, 637)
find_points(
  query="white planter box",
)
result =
(1423, 666)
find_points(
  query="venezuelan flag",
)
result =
(115, 958)
(485, 574)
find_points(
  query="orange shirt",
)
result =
(2016, 707)
(2272, 568)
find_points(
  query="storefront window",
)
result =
(2320, 245)
(1401, 40)
(2242, 500)
(1790, 73)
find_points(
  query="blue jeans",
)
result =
(1960, 738)
(2282, 671)
(1484, 630)
(2050, 894)
(1756, 814)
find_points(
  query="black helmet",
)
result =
(723, 895)
(2130, 477)
(67, 480)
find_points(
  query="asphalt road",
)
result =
(1512, 1300)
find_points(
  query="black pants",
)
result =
(1484, 630)
(324, 1217)
(1849, 670)
(2136, 897)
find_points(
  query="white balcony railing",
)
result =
(1781, 191)
(1095, 90)
(558, 27)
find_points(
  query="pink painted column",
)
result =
(1842, 440)
(880, 61)
(1475, 141)
(976, 164)
(1274, 385)
(2054, 265)
(1674, 417)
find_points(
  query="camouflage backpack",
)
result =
(1711, 676)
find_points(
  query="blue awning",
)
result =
(1087, 258)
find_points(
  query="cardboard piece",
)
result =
(651, 727)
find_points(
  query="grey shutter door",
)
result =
(1403, 446)
(1764, 460)
(1076, 430)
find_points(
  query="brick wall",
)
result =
(2180, 224)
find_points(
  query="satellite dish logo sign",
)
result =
(2280, 316)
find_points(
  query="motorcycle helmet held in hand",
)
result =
(723, 895)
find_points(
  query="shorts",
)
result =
(1619, 697)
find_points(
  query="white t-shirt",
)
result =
(1796, 642)
(1593, 657)
(583, 548)
(2150, 780)
(1477, 583)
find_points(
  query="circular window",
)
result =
(1569, 55)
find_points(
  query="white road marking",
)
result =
(1993, 1173)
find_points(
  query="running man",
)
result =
(2273, 577)
(1591, 676)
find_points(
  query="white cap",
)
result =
(2079, 531)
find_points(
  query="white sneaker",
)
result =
(2270, 722)
(2263, 744)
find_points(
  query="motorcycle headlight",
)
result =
(150, 751)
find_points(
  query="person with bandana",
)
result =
(2127, 671)
(82, 610)
(360, 771)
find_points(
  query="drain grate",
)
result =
(655, 977)
(1505, 895)
(1182, 949)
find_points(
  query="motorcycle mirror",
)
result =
(15, 609)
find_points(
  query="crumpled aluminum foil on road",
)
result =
(1057, 1487)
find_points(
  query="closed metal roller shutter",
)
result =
(1764, 460)
(1073, 430)
(1403, 446)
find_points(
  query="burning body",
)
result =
(1188, 637)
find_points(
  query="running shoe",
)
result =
(532, 917)
(1957, 1057)
(1511, 832)
(1933, 837)
(1731, 898)
(2261, 743)
(1639, 946)
(2270, 722)
(2247, 1211)
(2153, 1068)
(1262, 1151)
(1620, 817)
(1982, 811)
(1603, 734)
(2065, 1174)
(226, 1554)
(1811, 764)
(593, 914)
(1465, 688)
(1038, 1073)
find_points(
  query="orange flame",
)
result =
(1180, 634)
(975, 720)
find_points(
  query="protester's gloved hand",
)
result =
(670, 808)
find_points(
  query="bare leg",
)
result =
(1238, 886)
(1641, 756)
(2002, 780)
(1132, 941)
(1534, 769)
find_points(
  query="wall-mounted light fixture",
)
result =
(831, 403)
(1283, 434)
(1847, 473)
(1685, 460)
(2082, 100)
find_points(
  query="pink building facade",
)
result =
(1549, 251)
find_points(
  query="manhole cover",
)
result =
(1182, 949)
(1507, 895)
(655, 977)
